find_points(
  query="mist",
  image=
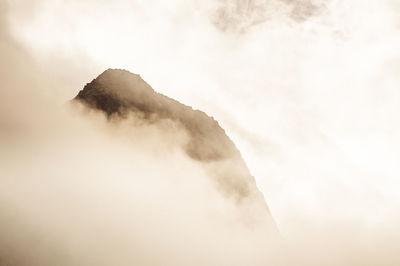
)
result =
(307, 90)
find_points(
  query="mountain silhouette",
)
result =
(118, 93)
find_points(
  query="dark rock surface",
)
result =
(118, 93)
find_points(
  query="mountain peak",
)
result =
(118, 92)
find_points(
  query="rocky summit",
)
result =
(117, 93)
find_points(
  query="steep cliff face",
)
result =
(118, 93)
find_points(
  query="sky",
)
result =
(308, 90)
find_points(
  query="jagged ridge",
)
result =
(117, 92)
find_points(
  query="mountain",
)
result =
(118, 93)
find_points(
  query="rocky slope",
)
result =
(118, 93)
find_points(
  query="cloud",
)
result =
(241, 15)
(82, 190)
(312, 107)
(77, 189)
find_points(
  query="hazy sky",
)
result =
(308, 90)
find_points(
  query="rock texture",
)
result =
(119, 92)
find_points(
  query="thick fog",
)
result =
(307, 90)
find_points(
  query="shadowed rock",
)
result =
(118, 93)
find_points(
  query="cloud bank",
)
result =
(311, 103)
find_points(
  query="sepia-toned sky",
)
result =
(308, 90)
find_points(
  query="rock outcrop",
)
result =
(117, 93)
